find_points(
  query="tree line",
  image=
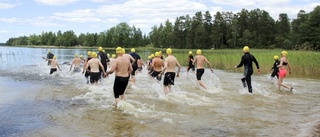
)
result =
(255, 28)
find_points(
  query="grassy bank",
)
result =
(304, 64)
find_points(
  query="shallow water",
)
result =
(33, 103)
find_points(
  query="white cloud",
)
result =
(4, 31)
(56, 2)
(6, 6)
(291, 11)
(45, 24)
(10, 20)
(235, 2)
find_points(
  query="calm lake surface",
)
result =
(34, 103)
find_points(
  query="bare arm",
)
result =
(289, 66)
(130, 69)
(112, 69)
(179, 67)
(85, 65)
(71, 65)
(195, 60)
(102, 67)
(205, 59)
(58, 66)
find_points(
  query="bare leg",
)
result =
(165, 89)
(117, 100)
(170, 89)
(201, 84)
(123, 97)
(133, 79)
(281, 84)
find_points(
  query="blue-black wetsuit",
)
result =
(246, 61)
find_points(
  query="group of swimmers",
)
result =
(125, 67)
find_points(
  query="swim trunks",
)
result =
(134, 69)
(169, 78)
(199, 73)
(94, 77)
(76, 69)
(120, 85)
(282, 73)
(155, 73)
(53, 70)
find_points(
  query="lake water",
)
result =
(34, 103)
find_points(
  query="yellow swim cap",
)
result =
(199, 52)
(152, 55)
(169, 51)
(190, 52)
(54, 57)
(157, 54)
(284, 53)
(113, 56)
(245, 49)
(123, 51)
(160, 52)
(48, 50)
(149, 57)
(81, 56)
(133, 50)
(100, 49)
(67, 60)
(103, 51)
(76, 55)
(118, 50)
(275, 57)
(89, 53)
(94, 54)
(108, 55)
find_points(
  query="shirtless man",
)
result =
(94, 65)
(122, 68)
(128, 56)
(76, 63)
(54, 64)
(156, 66)
(199, 61)
(170, 71)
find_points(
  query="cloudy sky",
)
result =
(25, 17)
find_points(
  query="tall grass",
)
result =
(304, 64)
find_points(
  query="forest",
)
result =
(223, 30)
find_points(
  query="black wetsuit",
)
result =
(49, 56)
(275, 69)
(135, 63)
(247, 60)
(103, 59)
(87, 74)
(190, 66)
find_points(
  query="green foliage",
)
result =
(255, 28)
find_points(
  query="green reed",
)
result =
(304, 64)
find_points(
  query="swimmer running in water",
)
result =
(76, 64)
(122, 68)
(199, 62)
(190, 62)
(283, 71)
(275, 67)
(246, 61)
(157, 65)
(170, 71)
(95, 66)
(54, 64)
